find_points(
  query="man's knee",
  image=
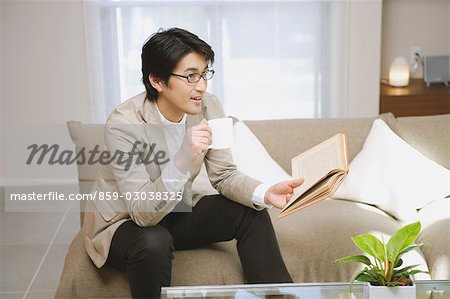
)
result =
(262, 216)
(245, 213)
(155, 246)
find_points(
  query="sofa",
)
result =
(309, 239)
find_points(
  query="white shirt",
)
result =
(173, 178)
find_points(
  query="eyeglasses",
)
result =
(195, 77)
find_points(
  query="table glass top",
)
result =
(429, 289)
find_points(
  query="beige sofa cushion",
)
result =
(217, 264)
(87, 136)
(311, 239)
(435, 219)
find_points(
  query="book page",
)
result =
(316, 163)
(323, 169)
(324, 189)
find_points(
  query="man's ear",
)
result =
(156, 82)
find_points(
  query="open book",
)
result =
(323, 169)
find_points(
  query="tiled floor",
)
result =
(32, 250)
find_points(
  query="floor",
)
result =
(33, 246)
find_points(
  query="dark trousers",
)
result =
(146, 253)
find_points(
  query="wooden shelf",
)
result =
(416, 99)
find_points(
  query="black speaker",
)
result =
(436, 69)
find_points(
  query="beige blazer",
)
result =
(137, 119)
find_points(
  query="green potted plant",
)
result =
(385, 273)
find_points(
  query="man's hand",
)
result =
(201, 138)
(195, 142)
(279, 194)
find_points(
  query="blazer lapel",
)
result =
(154, 132)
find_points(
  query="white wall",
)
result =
(42, 63)
(1, 103)
(364, 58)
(407, 23)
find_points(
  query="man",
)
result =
(139, 236)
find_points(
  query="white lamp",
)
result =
(399, 72)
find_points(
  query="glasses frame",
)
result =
(199, 76)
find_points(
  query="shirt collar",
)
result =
(167, 122)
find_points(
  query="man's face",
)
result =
(178, 96)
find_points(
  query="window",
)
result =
(272, 57)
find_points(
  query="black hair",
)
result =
(164, 49)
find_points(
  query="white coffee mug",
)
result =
(222, 133)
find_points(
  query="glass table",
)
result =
(425, 289)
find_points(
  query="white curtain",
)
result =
(274, 59)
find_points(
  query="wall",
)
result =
(409, 23)
(42, 64)
(1, 103)
(364, 58)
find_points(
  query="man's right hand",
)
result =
(195, 142)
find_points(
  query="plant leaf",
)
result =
(354, 278)
(363, 277)
(371, 245)
(393, 284)
(399, 263)
(354, 258)
(378, 276)
(404, 237)
(405, 269)
(399, 276)
(409, 248)
(412, 272)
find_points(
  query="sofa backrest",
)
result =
(430, 135)
(285, 139)
(86, 136)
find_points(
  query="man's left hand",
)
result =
(279, 194)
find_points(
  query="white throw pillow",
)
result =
(391, 174)
(251, 157)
